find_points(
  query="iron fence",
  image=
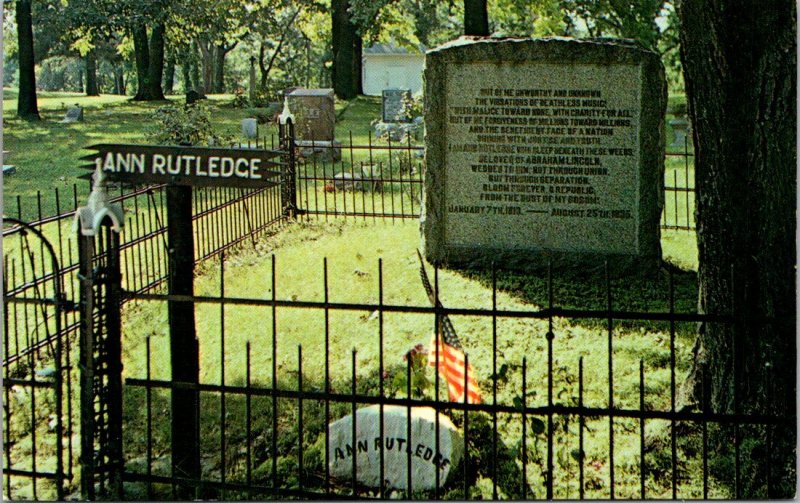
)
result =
(382, 179)
(376, 181)
(37, 320)
(555, 423)
(37, 377)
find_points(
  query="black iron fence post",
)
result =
(101, 364)
(288, 180)
(184, 347)
(86, 365)
(99, 224)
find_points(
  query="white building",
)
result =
(388, 66)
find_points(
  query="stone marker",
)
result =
(193, 97)
(314, 114)
(74, 114)
(537, 150)
(323, 150)
(396, 447)
(393, 105)
(250, 128)
(680, 126)
(347, 181)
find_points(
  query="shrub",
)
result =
(189, 125)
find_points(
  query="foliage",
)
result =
(240, 99)
(413, 106)
(188, 125)
(408, 23)
(60, 73)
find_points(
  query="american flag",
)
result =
(450, 354)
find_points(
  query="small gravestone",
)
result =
(74, 114)
(250, 128)
(397, 446)
(8, 169)
(390, 131)
(680, 127)
(394, 106)
(321, 150)
(548, 150)
(193, 97)
(373, 181)
(347, 181)
(314, 114)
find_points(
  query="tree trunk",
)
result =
(262, 68)
(141, 51)
(208, 67)
(91, 74)
(219, 69)
(27, 107)
(425, 21)
(120, 78)
(343, 41)
(739, 61)
(186, 76)
(116, 74)
(169, 74)
(476, 20)
(358, 48)
(194, 71)
(156, 67)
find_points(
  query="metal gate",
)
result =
(37, 365)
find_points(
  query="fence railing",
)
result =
(35, 323)
(556, 421)
(373, 181)
(366, 182)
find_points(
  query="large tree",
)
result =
(149, 54)
(476, 18)
(27, 106)
(739, 60)
(346, 44)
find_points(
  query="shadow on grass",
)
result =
(591, 289)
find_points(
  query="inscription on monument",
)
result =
(549, 151)
(543, 146)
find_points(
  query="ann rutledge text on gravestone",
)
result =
(543, 149)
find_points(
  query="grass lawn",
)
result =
(353, 250)
(46, 155)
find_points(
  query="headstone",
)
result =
(397, 447)
(372, 178)
(548, 150)
(680, 127)
(314, 113)
(388, 131)
(347, 181)
(393, 105)
(192, 97)
(250, 128)
(74, 114)
(322, 150)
